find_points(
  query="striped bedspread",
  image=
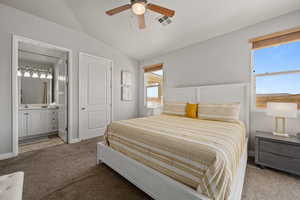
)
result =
(201, 154)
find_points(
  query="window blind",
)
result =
(274, 39)
(152, 68)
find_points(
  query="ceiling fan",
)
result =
(139, 7)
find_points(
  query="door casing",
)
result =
(15, 94)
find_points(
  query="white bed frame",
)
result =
(160, 186)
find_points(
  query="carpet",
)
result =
(69, 172)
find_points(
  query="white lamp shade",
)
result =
(35, 75)
(19, 73)
(27, 74)
(43, 75)
(286, 110)
(49, 76)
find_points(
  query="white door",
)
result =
(94, 95)
(62, 99)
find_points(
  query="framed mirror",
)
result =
(36, 84)
(36, 77)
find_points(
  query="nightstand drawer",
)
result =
(289, 150)
(280, 162)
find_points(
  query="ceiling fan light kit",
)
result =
(140, 7)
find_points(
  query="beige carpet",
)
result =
(69, 172)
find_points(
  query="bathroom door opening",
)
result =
(41, 90)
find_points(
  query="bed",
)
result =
(175, 157)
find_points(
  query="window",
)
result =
(153, 82)
(277, 73)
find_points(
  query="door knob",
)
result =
(82, 108)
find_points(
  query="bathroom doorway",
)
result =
(40, 74)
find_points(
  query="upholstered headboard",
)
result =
(223, 93)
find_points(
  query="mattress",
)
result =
(201, 154)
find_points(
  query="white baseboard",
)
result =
(7, 155)
(75, 140)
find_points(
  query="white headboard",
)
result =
(224, 93)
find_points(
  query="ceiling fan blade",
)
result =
(141, 20)
(161, 10)
(118, 9)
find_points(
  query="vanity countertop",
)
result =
(38, 108)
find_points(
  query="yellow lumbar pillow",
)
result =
(191, 110)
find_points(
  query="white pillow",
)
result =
(174, 108)
(222, 112)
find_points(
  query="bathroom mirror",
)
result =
(41, 73)
(36, 85)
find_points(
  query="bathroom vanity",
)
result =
(37, 121)
(38, 111)
(42, 94)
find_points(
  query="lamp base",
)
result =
(281, 134)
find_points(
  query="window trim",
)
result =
(265, 41)
(278, 73)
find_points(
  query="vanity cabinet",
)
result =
(22, 123)
(36, 122)
(53, 119)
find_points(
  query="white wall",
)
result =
(224, 59)
(23, 24)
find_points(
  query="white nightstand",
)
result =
(154, 111)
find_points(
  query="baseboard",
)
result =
(7, 155)
(75, 140)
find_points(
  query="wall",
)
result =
(13, 21)
(224, 59)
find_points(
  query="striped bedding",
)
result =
(201, 154)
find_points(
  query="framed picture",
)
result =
(126, 93)
(126, 86)
(126, 78)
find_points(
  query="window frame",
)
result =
(265, 41)
(159, 85)
(253, 76)
(152, 86)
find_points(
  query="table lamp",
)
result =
(281, 111)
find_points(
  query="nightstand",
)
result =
(154, 111)
(281, 153)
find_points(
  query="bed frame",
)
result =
(160, 186)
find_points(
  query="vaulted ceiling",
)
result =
(194, 21)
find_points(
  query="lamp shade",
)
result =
(42, 75)
(287, 110)
(27, 74)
